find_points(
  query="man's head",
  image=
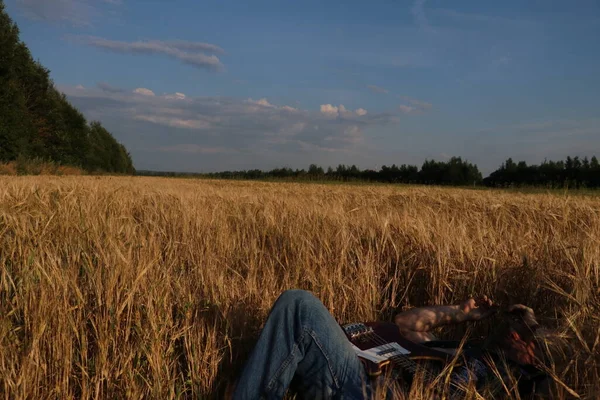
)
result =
(522, 320)
(522, 340)
(515, 334)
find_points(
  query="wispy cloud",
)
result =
(74, 12)
(211, 124)
(263, 103)
(191, 53)
(407, 109)
(377, 89)
(194, 46)
(413, 106)
(195, 124)
(176, 96)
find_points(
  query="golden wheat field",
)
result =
(130, 287)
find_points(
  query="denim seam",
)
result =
(286, 362)
(313, 334)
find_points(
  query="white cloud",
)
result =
(144, 92)
(329, 110)
(80, 87)
(176, 96)
(262, 102)
(174, 122)
(340, 111)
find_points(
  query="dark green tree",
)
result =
(573, 172)
(315, 171)
(37, 121)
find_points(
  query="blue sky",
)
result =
(214, 85)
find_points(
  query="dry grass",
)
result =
(157, 288)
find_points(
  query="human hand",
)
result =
(478, 309)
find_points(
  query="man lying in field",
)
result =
(302, 347)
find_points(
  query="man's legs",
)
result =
(302, 345)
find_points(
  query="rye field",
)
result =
(156, 288)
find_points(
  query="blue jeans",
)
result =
(302, 347)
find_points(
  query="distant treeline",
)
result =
(573, 173)
(454, 172)
(37, 121)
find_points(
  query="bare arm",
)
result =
(424, 319)
(416, 322)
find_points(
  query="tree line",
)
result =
(455, 172)
(571, 173)
(37, 121)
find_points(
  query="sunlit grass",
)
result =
(157, 288)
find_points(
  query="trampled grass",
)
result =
(157, 288)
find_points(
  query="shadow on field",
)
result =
(210, 355)
(243, 327)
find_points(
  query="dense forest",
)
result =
(37, 121)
